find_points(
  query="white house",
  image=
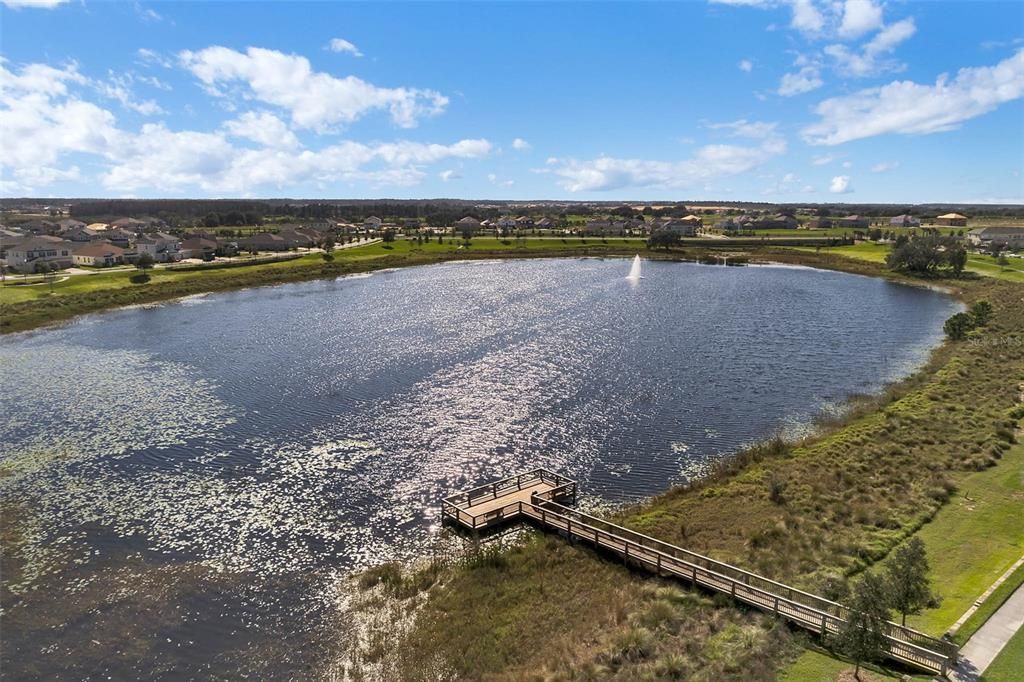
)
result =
(26, 254)
(160, 246)
(1013, 237)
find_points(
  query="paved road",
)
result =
(982, 648)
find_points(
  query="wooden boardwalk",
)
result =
(535, 497)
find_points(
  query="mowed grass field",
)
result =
(979, 264)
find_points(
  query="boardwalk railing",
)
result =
(455, 506)
(801, 608)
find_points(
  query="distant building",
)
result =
(904, 221)
(952, 219)
(853, 221)
(372, 223)
(467, 224)
(1013, 237)
(98, 254)
(544, 224)
(681, 227)
(70, 224)
(818, 224)
(696, 221)
(604, 228)
(524, 222)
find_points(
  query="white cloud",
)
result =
(520, 144)
(867, 62)
(119, 87)
(342, 45)
(909, 108)
(840, 185)
(885, 166)
(263, 128)
(806, 17)
(823, 160)
(42, 123)
(149, 57)
(808, 78)
(315, 100)
(710, 161)
(758, 130)
(745, 65)
(447, 175)
(847, 164)
(859, 17)
(41, 4)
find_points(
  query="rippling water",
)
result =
(305, 429)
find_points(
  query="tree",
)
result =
(862, 636)
(663, 239)
(906, 573)
(388, 236)
(328, 247)
(145, 262)
(957, 258)
(982, 313)
(958, 326)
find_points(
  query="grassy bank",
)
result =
(27, 306)
(807, 513)
(1009, 662)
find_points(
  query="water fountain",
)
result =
(634, 272)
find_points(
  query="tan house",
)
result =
(952, 219)
(98, 254)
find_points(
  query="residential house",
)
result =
(696, 221)
(70, 224)
(544, 224)
(524, 222)
(120, 237)
(505, 223)
(818, 224)
(199, 247)
(679, 226)
(99, 227)
(264, 241)
(853, 221)
(1012, 237)
(467, 224)
(904, 221)
(26, 254)
(98, 254)
(82, 235)
(372, 223)
(952, 219)
(300, 237)
(40, 227)
(162, 247)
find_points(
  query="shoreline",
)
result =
(50, 310)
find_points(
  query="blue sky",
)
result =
(756, 100)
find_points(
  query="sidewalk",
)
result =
(982, 648)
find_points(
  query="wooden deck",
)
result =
(535, 496)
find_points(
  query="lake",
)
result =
(195, 479)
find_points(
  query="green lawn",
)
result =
(974, 539)
(990, 606)
(971, 541)
(1009, 663)
(982, 265)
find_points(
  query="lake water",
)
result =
(223, 459)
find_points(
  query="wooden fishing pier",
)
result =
(540, 497)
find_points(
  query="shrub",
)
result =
(982, 313)
(958, 326)
(140, 278)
